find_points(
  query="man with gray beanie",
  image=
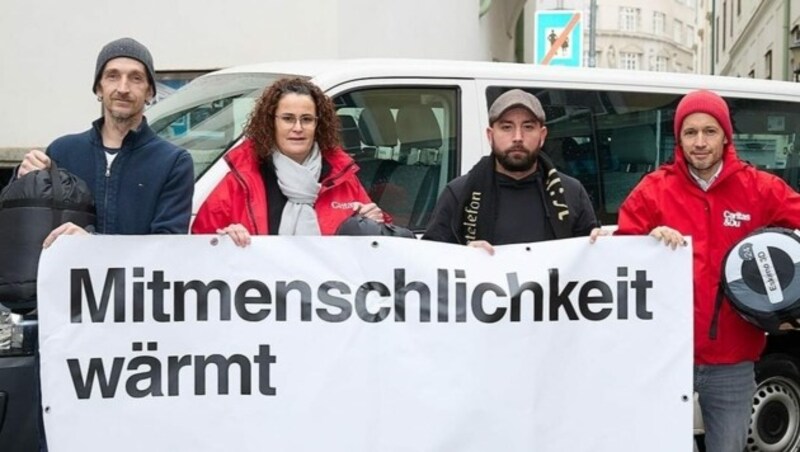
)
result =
(141, 183)
(514, 195)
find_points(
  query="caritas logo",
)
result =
(343, 205)
(734, 219)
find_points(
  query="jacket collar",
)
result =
(243, 157)
(133, 139)
(730, 163)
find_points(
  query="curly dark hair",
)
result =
(261, 123)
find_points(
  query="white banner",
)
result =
(365, 344)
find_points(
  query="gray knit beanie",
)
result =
(129, 48)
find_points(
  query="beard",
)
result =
(516, 158)
(701, 165)
(122, 116)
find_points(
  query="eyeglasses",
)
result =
(289, 120)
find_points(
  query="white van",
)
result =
(414, 125)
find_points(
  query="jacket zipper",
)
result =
(105, 195)
(333, 179)
(249, 203)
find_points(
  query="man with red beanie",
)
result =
(709, 194)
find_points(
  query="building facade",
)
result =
(756, 39)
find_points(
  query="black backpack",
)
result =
(761, 278)
(30, 207)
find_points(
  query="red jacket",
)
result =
(241, 196)
(741, 200)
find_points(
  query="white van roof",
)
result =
(332, 72)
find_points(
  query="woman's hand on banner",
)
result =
(370, 210)
(238, 233)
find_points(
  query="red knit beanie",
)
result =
(703, 102)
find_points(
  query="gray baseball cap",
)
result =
(516, 98)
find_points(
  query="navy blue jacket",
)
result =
(147, 190)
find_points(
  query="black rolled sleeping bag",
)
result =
(30, 207)
(761, 277)
(363, 226)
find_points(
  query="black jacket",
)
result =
(447, 216)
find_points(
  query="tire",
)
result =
(775, 422)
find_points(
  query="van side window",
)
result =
(765, 133)
(610, 139)
(208, 116)
(404, 141)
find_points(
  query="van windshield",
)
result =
(206, 116)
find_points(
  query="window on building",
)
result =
(677, 31)
(691, 3)
(724, 22)
(629, 60)
(629, 18)
(768, 65)
(662, 63)
(659, 23)
(689, 35)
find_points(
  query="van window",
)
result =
(765, 133)
(610, 139)
(405, 143)
(208, 115)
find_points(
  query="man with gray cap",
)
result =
(141, 183)
(514, 195)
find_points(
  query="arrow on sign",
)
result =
(561, 38)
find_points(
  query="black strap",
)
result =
(478, 208)
(16, 203)
(58, 195)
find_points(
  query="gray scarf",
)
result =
(300, 184)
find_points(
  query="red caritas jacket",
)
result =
(241, 196)
(741, 200)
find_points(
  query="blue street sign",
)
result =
(558, 38)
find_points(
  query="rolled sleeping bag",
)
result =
(761, 277)
(30, 208)
(359, 225)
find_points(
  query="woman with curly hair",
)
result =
(289, 176)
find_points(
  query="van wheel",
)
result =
(775, 422)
